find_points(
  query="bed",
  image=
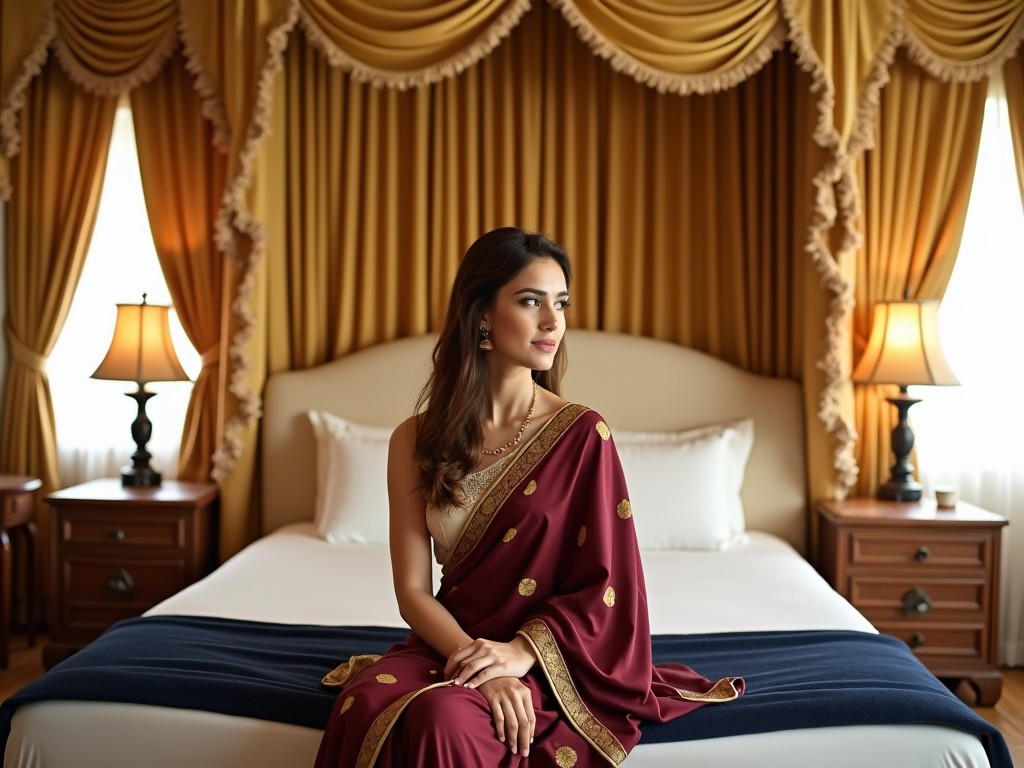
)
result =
(321, 565)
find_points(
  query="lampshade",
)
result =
(141, 350)
(904, 346)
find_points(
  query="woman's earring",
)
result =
(485, 343)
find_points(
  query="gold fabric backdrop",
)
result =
(701, 163)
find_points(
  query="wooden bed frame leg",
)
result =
(988, 687)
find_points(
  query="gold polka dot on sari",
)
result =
(527, 587)
(609, 597)
(530, 488)
(602, 430)
(387, 679)
(565, 757)
(582, 536)
(346, 704)
(624, 509)
(509, 535)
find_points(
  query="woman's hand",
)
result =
(512, 712)
(483, 660)
(495, 668)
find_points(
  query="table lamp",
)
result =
(904, 349)
(141, 351)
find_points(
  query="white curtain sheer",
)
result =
(971, 436)
(94, 417)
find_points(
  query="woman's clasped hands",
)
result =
(495, 669)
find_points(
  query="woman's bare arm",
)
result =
(410, 550)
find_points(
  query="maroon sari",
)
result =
(549, 552)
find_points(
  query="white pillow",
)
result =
(351, 480)
(684, 487)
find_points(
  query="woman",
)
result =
(536, 649)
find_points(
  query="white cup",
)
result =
(946, 495)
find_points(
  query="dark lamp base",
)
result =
(908, 490)
(139, 477)
(901, 485)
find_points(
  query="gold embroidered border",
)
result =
(382, 725)
(524, 463)
(569, 699)
(722, 691)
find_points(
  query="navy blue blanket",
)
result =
(272, 672)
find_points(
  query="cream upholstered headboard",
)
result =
(634, 382)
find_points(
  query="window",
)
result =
(977, 426)
(970, 436)
(93, 417)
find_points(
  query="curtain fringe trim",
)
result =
(210, 97)
(826, 211)
(963, 72)
(361, 72)
(823, 218)
(862, 137)
(103, 85)
(863, 134)
(10, 134)
(662, 80)
(235, 212)
(825, 133)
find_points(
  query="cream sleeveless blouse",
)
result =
(446, 523)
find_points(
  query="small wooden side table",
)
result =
(117, 551)
(17, 500)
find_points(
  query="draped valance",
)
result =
(109, 47)
(234, 51)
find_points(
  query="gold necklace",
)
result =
(519, 435)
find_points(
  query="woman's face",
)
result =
(527, 321)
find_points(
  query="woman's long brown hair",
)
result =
(449, 433)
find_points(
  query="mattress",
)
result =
(292, 576)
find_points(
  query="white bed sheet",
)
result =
(761, 583)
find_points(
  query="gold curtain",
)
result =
(1013, 76)
(847, 48)
(183, 179)
(387, 188)
(916, 184)
(686, 217)
(108, 48)
(24, 37)
(392, 43)
(50, 216)
(962, 39)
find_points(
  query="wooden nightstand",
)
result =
(17, 515)
(116, 552)
(928, 576)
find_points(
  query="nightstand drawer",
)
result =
(18, 509)
(89, 527)
(143, 582)
(917, 548)
(937, 641)
(897, 599)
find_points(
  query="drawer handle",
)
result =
(117, 534)
(916, 640)
(922, 554)
(121, 583)
(916, 601)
